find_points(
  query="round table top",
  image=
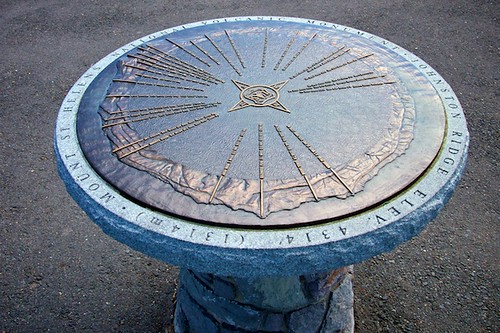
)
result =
(268, 134)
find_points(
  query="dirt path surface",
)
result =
(60, 273)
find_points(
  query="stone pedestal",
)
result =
(299, 304)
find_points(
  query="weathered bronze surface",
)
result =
(261, 124)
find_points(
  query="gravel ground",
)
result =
(60, 273)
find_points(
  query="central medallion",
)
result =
(259, 96)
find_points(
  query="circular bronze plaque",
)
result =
(261, 123)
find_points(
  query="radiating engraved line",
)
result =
(349, 86)
(157, 110)
(264, 51)
(155, 96)
(171, 132)
(158, 134)
(162, 107)
(339, 66)
(184, 78)
(152, 114)
(328, 58)
(153, 62)
(177, 60)
(234, 48)
(344, 82)
(188, 52)
(295, 160)
(175, 68)
(156, 84)
(261, 170)
(183, 63)
(172, 73)
(158, 60)
(341, 82)
(321, 159)
(202, 50)
(344, 79)
(152, 77)
(143, 118)
(340, 53)
(228, 163)
(299, 52)
(285, 51)
(222, 54)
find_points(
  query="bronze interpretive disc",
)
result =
(261, 123)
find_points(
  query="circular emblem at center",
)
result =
(259, 95)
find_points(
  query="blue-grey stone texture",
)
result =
(264, 305)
